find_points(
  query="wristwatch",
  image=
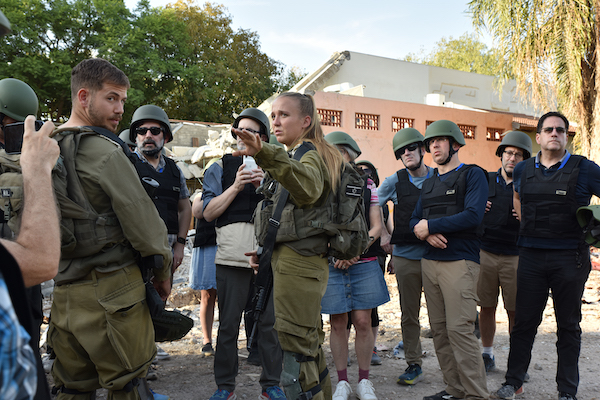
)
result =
(180, 240)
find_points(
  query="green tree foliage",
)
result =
(552, 48)
(183, 57)
(466, 53)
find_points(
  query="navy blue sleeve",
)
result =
(417, 214)
(588, 182)
(517, 172)
(472, 215)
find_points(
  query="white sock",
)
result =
(488, 350)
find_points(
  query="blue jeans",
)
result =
(564, 273)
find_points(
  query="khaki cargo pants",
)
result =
(299, 283)
(102, 334)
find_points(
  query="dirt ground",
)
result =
(186, 375)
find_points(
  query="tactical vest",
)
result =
(445, 198)
(84, 232)
(375, 249)
(408, 195)
(548, 203)
(166, 195)
(499, 224)
(341, 219)
(11, 194)
(206, 235)
(242, 207)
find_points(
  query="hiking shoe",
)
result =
(566, 396)
(342, 391)
(526, 379)
(375, 359)
(443, 395)
(489, 362)
(411, 375)
(161, 354)
(222, 394)
(159, 396)
(506, 392)
(365, 390)
(272, 393)
(207, 350)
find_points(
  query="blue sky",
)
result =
(307, 33)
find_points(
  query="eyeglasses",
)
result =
(154, 130)
(410, 147)
(511, 154)
(549, 129)
(366, 170)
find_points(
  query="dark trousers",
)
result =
(563, 273)
(233, 285)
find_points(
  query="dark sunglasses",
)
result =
(549, 129)
(155, 130)
(410, 147)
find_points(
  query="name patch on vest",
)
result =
(561, 192)
(450, 192)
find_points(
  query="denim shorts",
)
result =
(360, 287)
(202, 268)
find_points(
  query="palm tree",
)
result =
(551, 48)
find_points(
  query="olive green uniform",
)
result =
(300, 268)
(101, 330)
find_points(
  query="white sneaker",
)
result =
(342, 391)
(365, 391)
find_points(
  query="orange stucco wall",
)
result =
(376, 145)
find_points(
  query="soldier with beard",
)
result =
(150, 130)
(101, 330)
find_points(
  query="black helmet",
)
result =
(4, 25)
(339, 138)
(256, 115)
(517, 139)
(17, 99)
(150, 112)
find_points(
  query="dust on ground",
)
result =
(187, 375)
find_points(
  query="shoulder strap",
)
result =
(492, 184)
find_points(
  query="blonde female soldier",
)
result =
(300, 268)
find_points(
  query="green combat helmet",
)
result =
(339, 138)
(124, 136)
(17, 99)
(256, 115)
(444, 128)
(273, 140)
(588, 218)
(150, 112)
(4, 25)
(517, 139)
(374, 175)
(403, 138)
